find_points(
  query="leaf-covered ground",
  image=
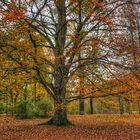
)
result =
(88, 127)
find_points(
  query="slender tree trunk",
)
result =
(81, 83)
(139, 107)
(11, 104)
(129, 107)
(15, 101)
(121, 105)
(35, 92)
(6, 100)
(81, 107)
(91, 105)
(25, 91)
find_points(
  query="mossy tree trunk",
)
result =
(60, 114)
(59, 91)
(59, 118)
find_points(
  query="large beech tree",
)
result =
(70, 28)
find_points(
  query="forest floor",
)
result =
(87, 127)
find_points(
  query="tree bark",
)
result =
(91, 105)
(129, 107)
(60, 115)
(59, 88)
(11, 104)
(81, 107)
(6, 100)
(34, 92)
(25, 91)
(139, 107)
(121, 105)
(59, 118)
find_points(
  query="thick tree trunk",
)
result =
(60, 115)
(59, 118)
(59, 88)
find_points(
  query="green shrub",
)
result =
(27, 109)
(43, 108)
(2, 108)
(24, 110)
